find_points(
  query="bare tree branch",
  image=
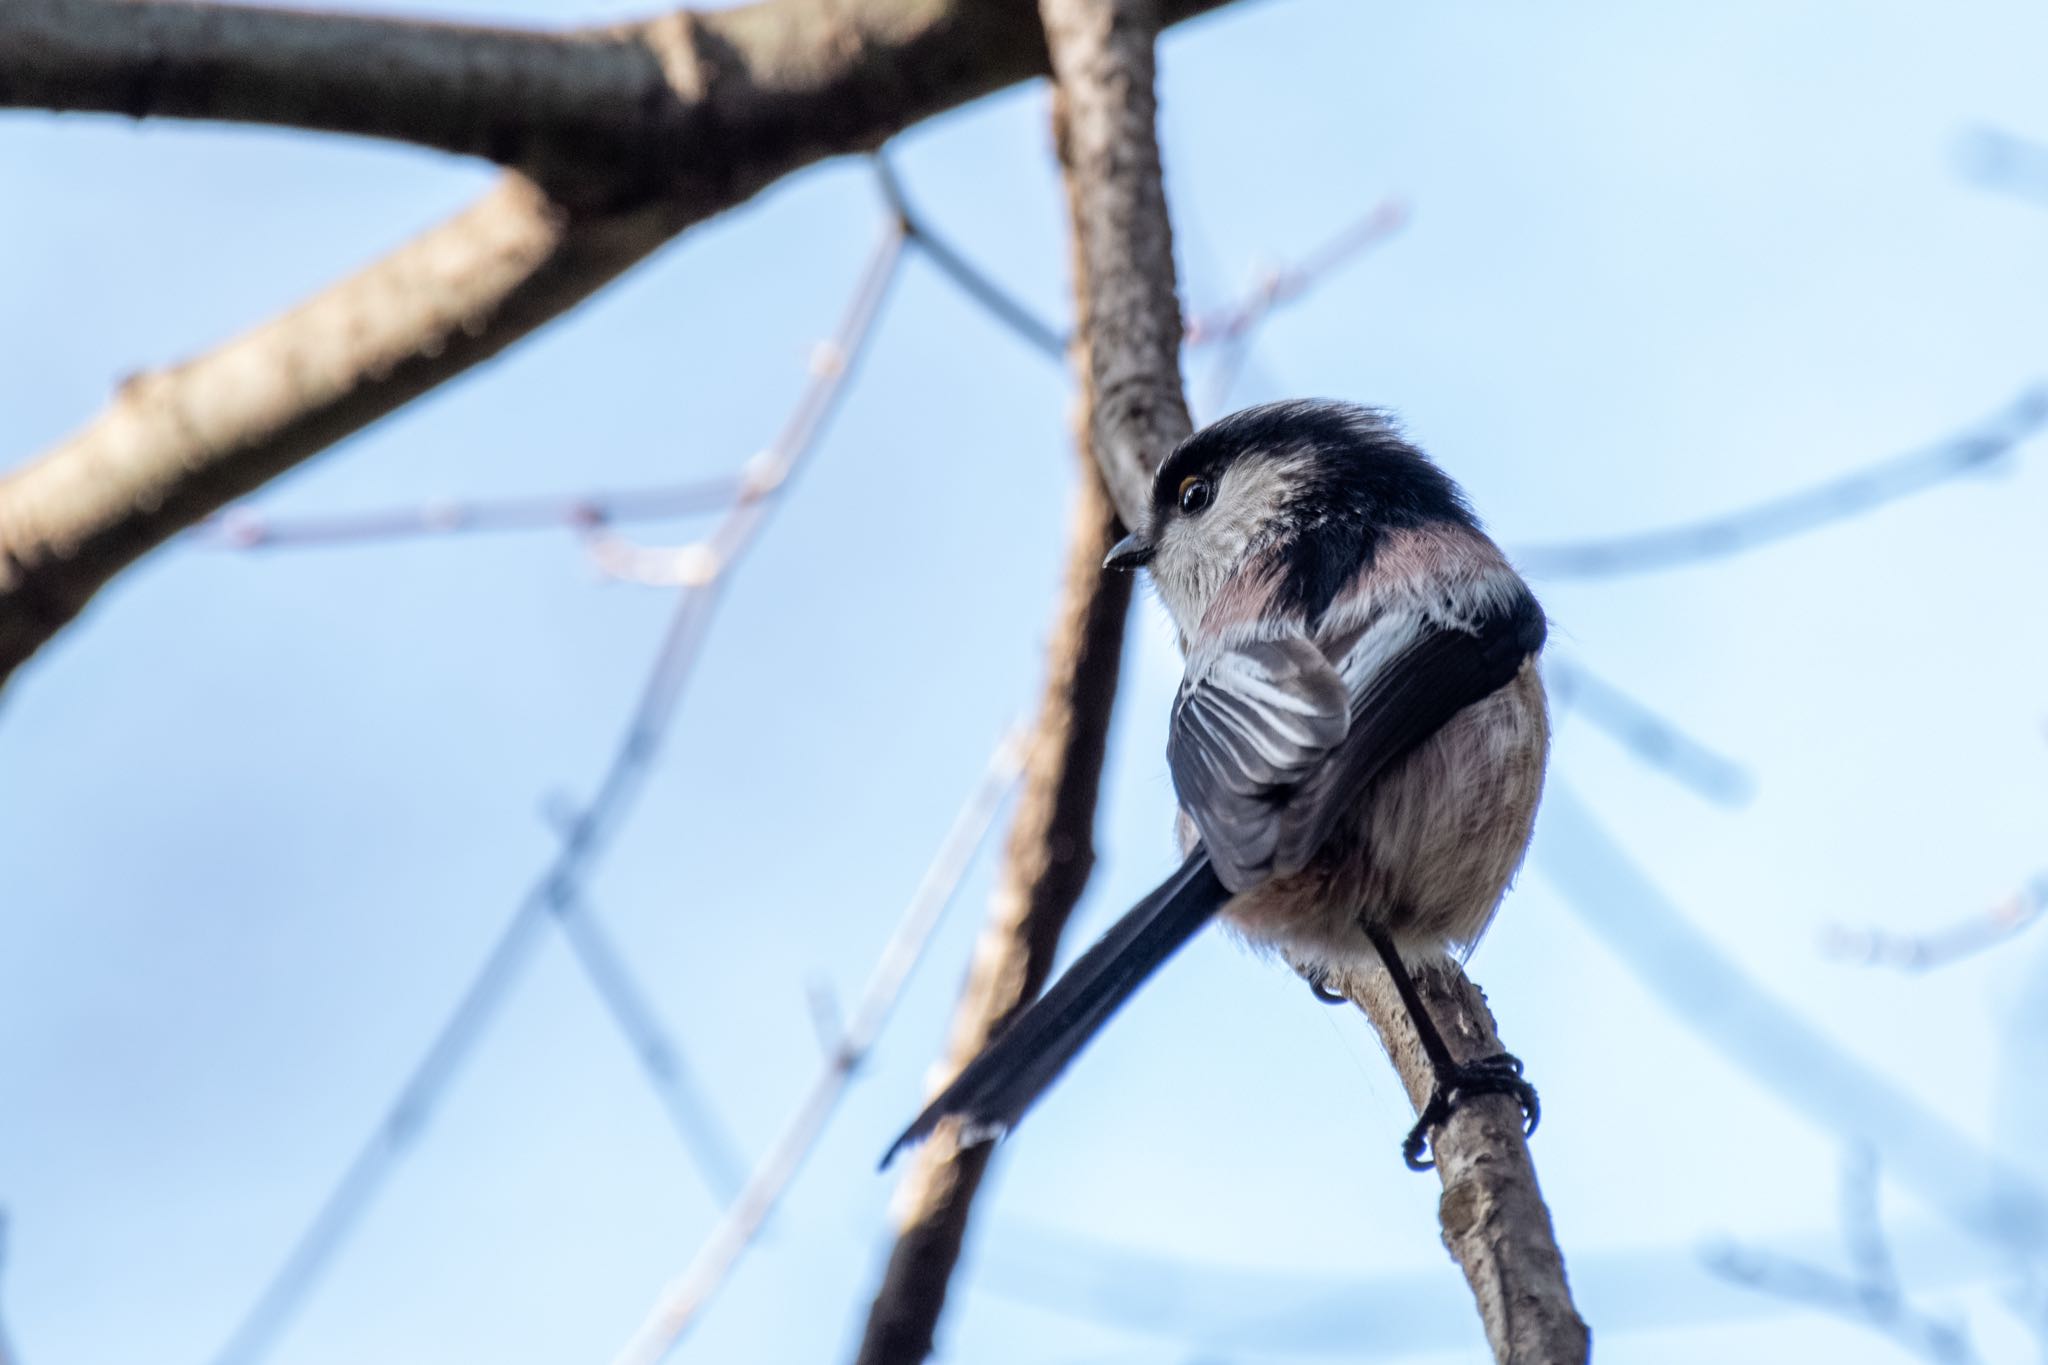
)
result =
(1647, 735)
(1050, 853)
(1131, 323)
(497, 93)
(758, 92)
(681, 102)
(1494, 1219)
(681, 1302)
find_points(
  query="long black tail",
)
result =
(1014, 1070)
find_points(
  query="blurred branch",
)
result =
(1051, 848)
(1648, 736)
(1708, 992)
(1811, 508)
(247, 528)
(2002, 161)
(703, 1133)
(1050, 852)
(584, 839)
(1232, 330)
(1917, 953)
(681, 1302)
(1870, 1294)
(970, 279)
(744, 96)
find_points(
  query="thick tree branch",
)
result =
(1129, 305)
(1046, 864)
(498, 93)
(721, 96)
(747, 96)
(1493, 1216)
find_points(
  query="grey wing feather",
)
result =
(1270, 743)
(1251, 722)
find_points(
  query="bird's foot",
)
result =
(1500, 1074)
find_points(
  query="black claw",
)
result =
(1500, 1074)
(1324, 993)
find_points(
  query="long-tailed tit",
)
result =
(1357, 745)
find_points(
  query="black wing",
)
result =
(1270, 743)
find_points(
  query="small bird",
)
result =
(1357, 745)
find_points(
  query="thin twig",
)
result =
(1870, 1295)
(242, 527)
(1649, 737)
(2008, 919)
(662, 1061)
(1706, 990)
(680, 1303)
(1232, 330)
(970, 279)
(1778, 519)
(559, 884)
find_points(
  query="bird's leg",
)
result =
(1500, 1074)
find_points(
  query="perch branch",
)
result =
(1494, 1218)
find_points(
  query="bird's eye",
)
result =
(1194, 494)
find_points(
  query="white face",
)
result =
(1198, 552)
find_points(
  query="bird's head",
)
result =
(1301, 491)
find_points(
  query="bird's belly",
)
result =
(1431, 848)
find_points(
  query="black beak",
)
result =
(1132, 552)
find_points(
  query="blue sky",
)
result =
(262, 814)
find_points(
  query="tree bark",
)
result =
(620, 139)
(1129, 300)
(1494, 1220)
(1046, 863)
